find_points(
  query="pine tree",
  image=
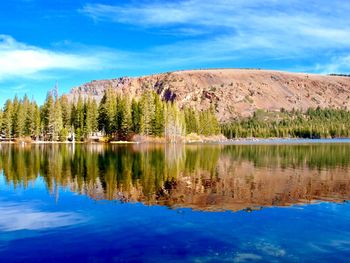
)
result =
(191, 119)
(1, 113)
(158, 118)
(47, 116)
(107, 112)
(136, 116)
(15, 103)
(94, 116)
(208, 123)
(27, 115)
(58, 121)
(90, 124)
(29, 121)
(214, 123)
(36, 127)
(14, 116)
(119, 114)
(147, 110)
(124, 118)
(19, 120)
(78, 118)
(52, 118)
(66, 112)
(202, 123)
(7, 122)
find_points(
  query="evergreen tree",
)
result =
(107, 112)
(15, 116)
(136, 116)
(19, 120)
(78, 118)
(66, 112)
(147, 112)
(94, 115)
(202, 123)
(27, 115)
(191, 119)
(58, 122)
(1, 113)
(15, 103)
(158, 118)
(36, 126)
(214, 123)
(121, 117)
(29, 121)
(119, 114)
(208, 124)
(52, 118)
(124, 118)
(314, 123)
(91, 116)
(7, 119)
(47, 116)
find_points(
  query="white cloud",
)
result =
(260, 18)
(207, 32)
(16, 89)
(337, 64)
(25, 61)
(244, 29)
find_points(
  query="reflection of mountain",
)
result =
(240, 185)
(200, 177)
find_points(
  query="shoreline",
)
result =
(241, 141)
(276, 141)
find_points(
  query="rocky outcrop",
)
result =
(232, 92)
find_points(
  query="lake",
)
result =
(173, 203)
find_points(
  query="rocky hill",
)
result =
(232, 92)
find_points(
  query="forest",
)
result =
(116, 117)
(314, 123)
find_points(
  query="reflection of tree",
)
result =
(19, 170)
(196, 175)
(313, 156)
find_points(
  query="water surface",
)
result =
(196, 203)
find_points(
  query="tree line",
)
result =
(314, 123)
(115, 117)
(120, 117)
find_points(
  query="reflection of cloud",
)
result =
(270, 249)
(22, 217)
(261, 249)
(246, 257)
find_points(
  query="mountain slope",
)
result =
(232, 92)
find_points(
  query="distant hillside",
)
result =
(232, 92)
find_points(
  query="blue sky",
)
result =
(77, 41)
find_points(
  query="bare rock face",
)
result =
(232, 92)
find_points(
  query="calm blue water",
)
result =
(38, 225)
(36, 228)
